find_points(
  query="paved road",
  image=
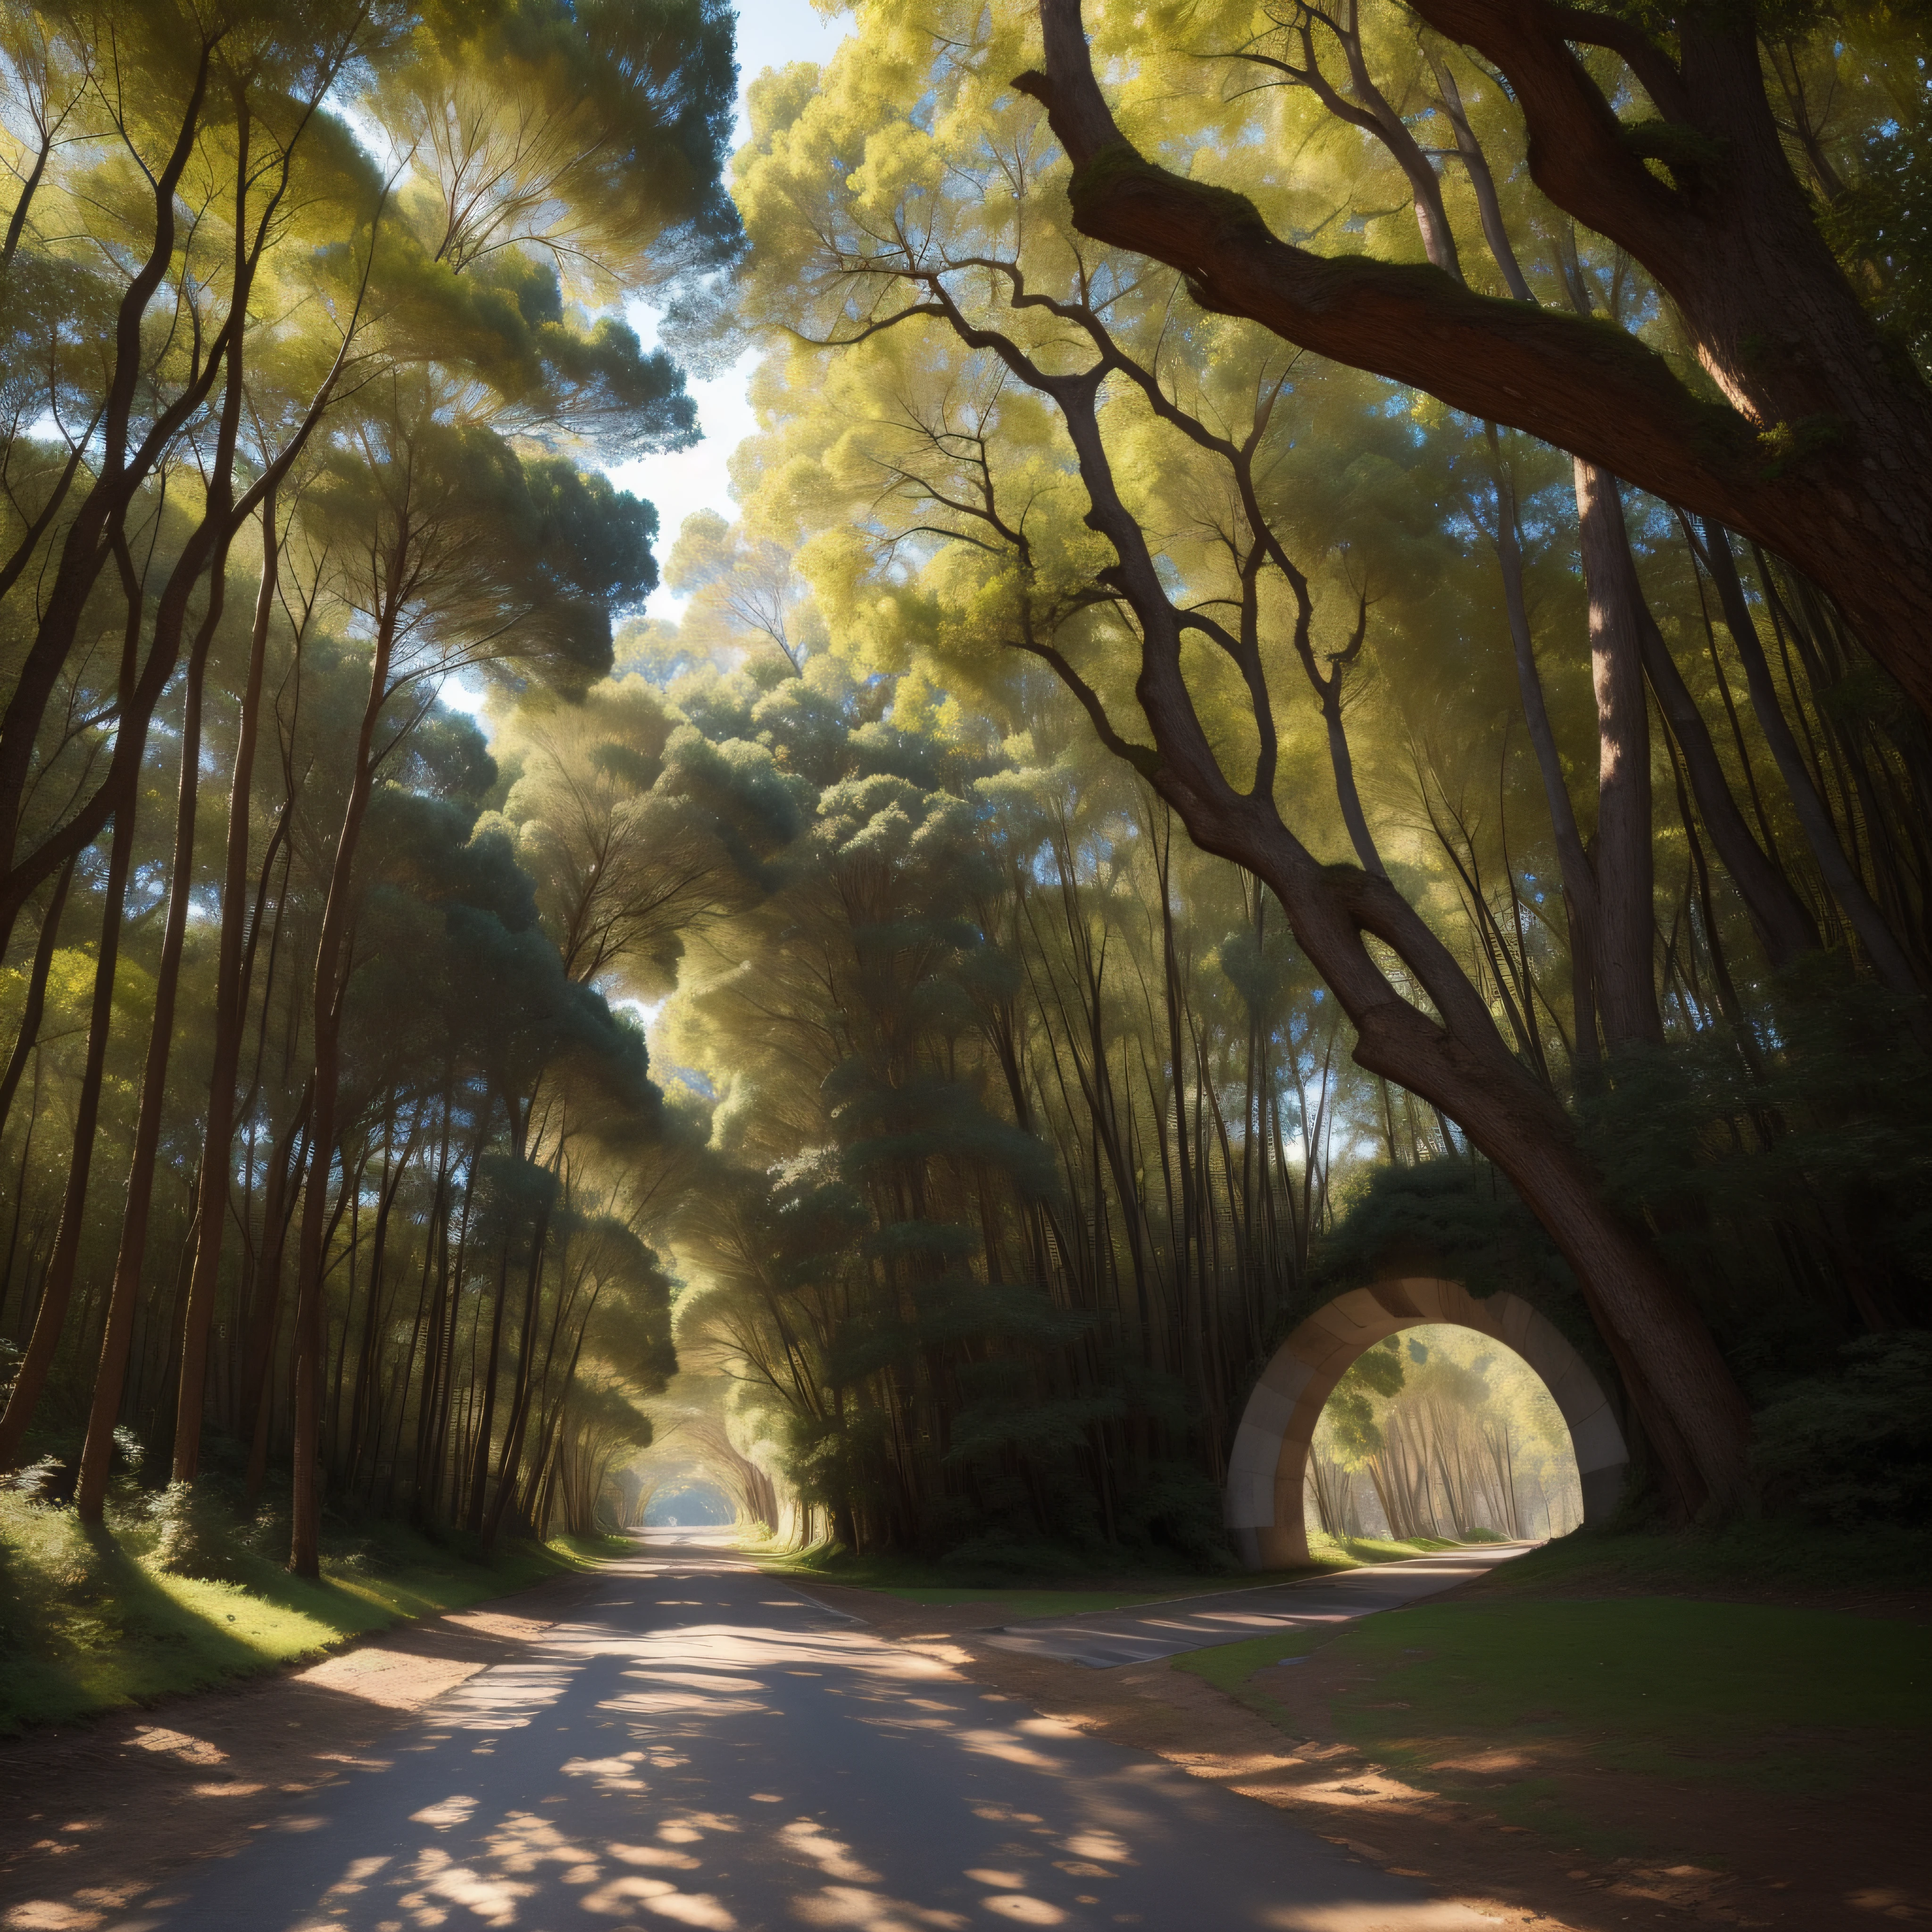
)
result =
(696, 1745)
(1105, 1639)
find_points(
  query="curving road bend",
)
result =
(1104, 1640)
(697, 1745)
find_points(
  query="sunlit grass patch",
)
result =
(90, 1621)
(1332, 1551)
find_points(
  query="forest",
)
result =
(1321, 670)
(1437, 1434)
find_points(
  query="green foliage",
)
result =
(1448, 1217)
(1855, 1448)
(1882, 225)
(1349, 1413)
(881, 1257)
(1826, 1144)
(1682, 149)
(195, 1532)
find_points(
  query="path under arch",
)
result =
(1269, 1465)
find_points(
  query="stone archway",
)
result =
(1270, 1462)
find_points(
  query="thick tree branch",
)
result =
(1812, 460)
(1585, 386)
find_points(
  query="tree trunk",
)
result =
(1889, 959)
(330, 989)
(479, 1459)
(93, 535)
(57, 1286)
(35, 1005)
(110, 1376)
(1783, 927)
(366, 1412)
(1580, 878)
(1624, 957)
(211, 1223)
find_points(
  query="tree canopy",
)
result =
(1319, 670)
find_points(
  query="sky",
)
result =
(771, 33)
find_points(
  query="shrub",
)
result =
(49, 1481)
(1856, 1447)
(196, 1532)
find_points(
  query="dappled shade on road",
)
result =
(697, 1745)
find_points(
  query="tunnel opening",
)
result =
(1439, 1434)
(697, 1505)
(1265, 1498)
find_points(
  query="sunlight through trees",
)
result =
(1442, 1432)
(1321, 671)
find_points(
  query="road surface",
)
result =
(1104, 1640)
(697, 1745)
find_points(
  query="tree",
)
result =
(1700, 192)
(1127, 627)
(233, 319)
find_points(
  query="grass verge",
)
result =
(919, 1580)
(91, 1622)
(1536, 1707)
(1773, 1558)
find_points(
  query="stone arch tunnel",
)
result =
(1268, 1465)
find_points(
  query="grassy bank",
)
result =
(1773, 1558)
(1522, 1693)
(88, 1623)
